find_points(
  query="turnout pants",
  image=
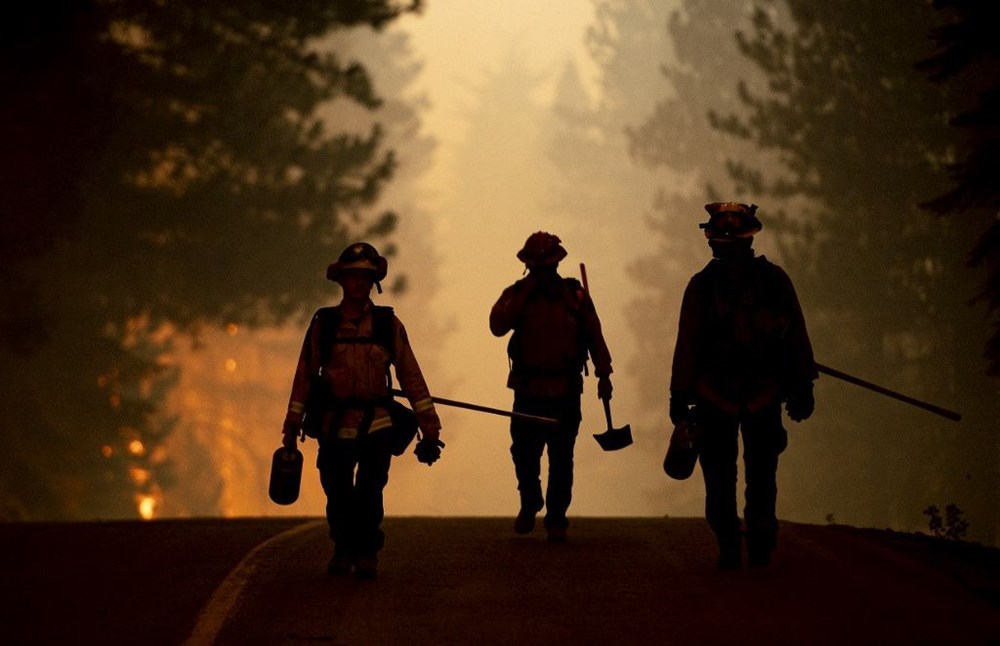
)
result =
(530, 439)
(764, 439)
(353, 474)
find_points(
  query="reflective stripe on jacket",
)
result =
(355, 376)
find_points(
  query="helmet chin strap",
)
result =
(378, 286)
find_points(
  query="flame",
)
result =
(135, 447)
(140, 476)
(147, 507)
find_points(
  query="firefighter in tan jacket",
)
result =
(341, 395)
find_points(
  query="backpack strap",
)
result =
(329, 319)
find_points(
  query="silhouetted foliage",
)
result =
(968, 58)
(163, 169)
(823, 120)
(862, 141)
(952, 526)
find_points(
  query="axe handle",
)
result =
(937, 410)
(607, 411)
(485, 409)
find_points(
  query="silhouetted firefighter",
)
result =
(742, 349)
(555, 326)
(341, 395)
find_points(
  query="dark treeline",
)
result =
(849, 141)
(853, 125)
(149, 149)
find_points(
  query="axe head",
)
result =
(615, 438)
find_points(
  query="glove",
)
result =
(428, 450)
(289, 434)
(604, 387)
(801, 402)
(678, 408)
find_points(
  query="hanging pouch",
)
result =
(404, 427)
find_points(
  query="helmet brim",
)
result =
(378, 268)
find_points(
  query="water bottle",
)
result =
(286, 475)
(682, 452)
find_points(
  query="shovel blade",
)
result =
(614, 439)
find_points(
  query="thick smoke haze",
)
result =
(611, 124)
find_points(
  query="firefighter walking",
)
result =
(341, 395)
(742, 350)
(555, 326)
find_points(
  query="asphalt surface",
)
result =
(462, 581)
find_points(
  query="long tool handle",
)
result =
(485, 409)
(937, 410)
(607, 411)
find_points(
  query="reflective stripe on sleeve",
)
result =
(380, 421)
(296, 407)
(347, 433)
(423, 405)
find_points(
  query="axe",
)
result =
(613, 438)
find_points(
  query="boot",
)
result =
(366, 568)
(525, 521)
(759, 549)
(340, 564)
(730, 553)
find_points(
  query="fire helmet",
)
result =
(541, 249)
(731, 220)
(359, 256)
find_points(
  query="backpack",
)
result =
(549, 339)
(328, 319)
(404, 421)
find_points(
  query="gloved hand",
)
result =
(678, 408)
(428, 449)
(801, 402)
(290, 433)
(604, 387)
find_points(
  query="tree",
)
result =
(968, 57)
(165, 171)
(817, 114)
(861, 139)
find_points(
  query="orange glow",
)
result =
(230, 365)
(147, 507)
(135, 447)
(107, 450)
(232, 329)
(139, 476)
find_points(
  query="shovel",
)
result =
(613, 438)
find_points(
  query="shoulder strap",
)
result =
(328, 319)
(382, 332)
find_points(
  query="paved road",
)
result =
(462, 581)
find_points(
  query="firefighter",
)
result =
(742, 350)
(341, 396)
(555, 326)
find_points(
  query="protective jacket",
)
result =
(351, 381)
(555, 327)
(742, 342)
